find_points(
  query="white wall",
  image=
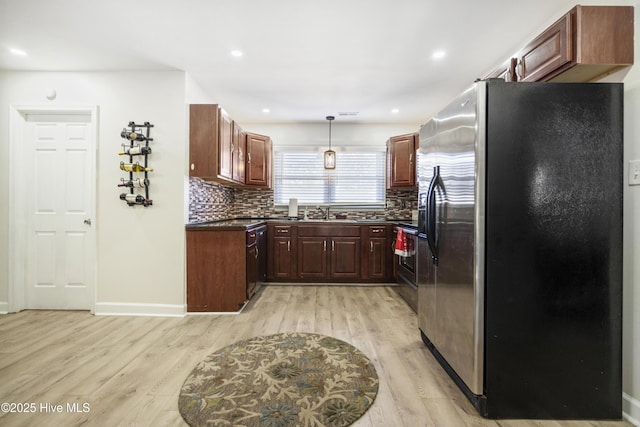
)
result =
(631, 268)
(631, 230)
(140, 251)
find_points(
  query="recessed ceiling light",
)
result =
(236, 53)
(18, 52)
(395, 110)
(438, 54)
(266, 110)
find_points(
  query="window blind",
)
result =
(357, 180)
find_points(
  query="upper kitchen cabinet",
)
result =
(586, 44)
(401, 165)
(204, 134)
(258, 163)
(238, 154)
(225, 147)
(219, 150)
(210, 142)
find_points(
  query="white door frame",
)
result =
(18, 202)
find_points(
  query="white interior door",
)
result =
(60, 261)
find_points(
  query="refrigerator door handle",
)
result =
(431, 215)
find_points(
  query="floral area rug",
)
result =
(288, 379)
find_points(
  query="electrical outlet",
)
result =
(634, 172)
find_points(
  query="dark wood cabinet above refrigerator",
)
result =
(586, 44)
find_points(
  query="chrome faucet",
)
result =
(324, 213)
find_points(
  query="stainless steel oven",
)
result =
(406, 273)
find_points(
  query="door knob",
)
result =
(87, 221)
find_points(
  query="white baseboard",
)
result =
(631, 409)
(136, 309)
(4, 307)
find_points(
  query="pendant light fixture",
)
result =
(330, 155)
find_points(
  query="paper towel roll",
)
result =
(293, 207)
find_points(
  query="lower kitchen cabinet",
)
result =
(281, 264)
(328, 252)
(312, 257)
(224, 267)
(317, 252)
(345, 257)
(378, 256)
(329, 257)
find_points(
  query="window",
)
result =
(357, 180)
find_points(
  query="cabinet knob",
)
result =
(193, 166)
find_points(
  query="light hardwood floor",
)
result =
(129, 370)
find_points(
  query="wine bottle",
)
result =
(132, 198)
(132, 135)
(135, 199)
(134, 167)
(134, 183)
(134, 151)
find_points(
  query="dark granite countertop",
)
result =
(230, 224)
(247, 223)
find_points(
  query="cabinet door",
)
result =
(547, 52)
(378, 258)
(345, 257)
(401, 168)
(312, 257)
(238, 154)
(258, 171)
(225, 147)
(282, 264)
(203, 140)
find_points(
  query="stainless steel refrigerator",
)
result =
(520, 247)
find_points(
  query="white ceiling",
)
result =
(303, 59)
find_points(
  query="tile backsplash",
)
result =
(209, 201)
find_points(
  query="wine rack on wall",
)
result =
(138, 150)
